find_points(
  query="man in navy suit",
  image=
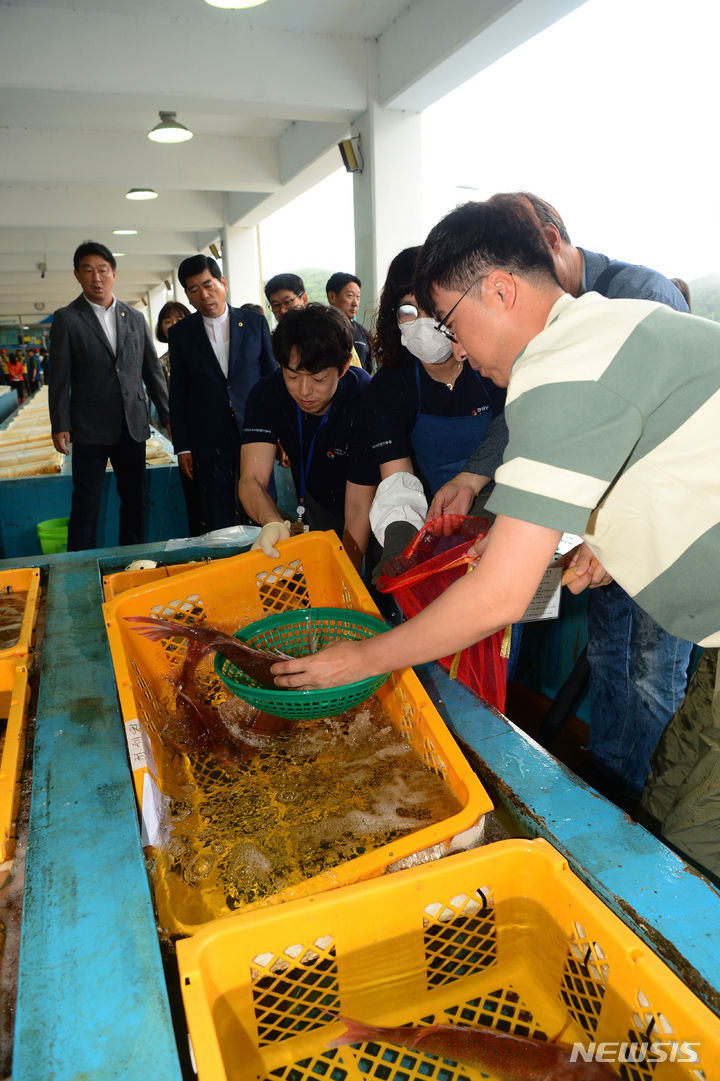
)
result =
(102, 353)
(216, 356)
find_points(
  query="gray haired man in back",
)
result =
(102, 353)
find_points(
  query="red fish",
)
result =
(505, 1057)
(204, 726)
(256, 663)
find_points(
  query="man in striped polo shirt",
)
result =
(613, 411)
(638, 672)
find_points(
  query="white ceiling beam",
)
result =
(235, 62)
(319, 169)
(127, 159)
(433, 48)
(54, 244)
(43, 207)
(303, 143)
(138, 269)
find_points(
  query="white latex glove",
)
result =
(399, 498)
(269, 535)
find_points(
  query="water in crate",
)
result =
(12, 610)
(302, 798)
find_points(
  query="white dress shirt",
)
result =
(218, 332)
(106, 318)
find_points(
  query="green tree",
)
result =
(705, 296)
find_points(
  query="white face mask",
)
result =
(424, 342)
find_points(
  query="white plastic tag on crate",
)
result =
(154, 813)
(139, 747)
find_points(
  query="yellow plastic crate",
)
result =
(121, 581)
(14, 696)
(505, 936)
(313, 570)
(22, 580)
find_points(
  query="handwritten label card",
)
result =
(139, 748)
(546, 602)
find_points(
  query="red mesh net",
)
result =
(435, 558)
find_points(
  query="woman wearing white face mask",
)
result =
(428, 410)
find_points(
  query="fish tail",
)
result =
(154, 633)
(155, 628)
(355, 1032)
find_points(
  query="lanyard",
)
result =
(305, 463)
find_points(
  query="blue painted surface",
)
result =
(92, 1001)
(26, 501)
(8, 403)
(645, 884)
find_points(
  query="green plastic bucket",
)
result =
(52, 535)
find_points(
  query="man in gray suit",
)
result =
(101, 353)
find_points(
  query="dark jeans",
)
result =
(89, 460)
(638, 676)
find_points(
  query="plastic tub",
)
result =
(52, 535)
(313, 570)
(505, 937)
(14, 697)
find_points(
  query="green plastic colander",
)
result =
(297, 633)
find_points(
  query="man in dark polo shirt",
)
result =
(313, 406)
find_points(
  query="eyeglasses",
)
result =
(407, 313)
(442, 325)
(285, 304)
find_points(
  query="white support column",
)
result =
(387, 194)
(156, 298)
(241, 264)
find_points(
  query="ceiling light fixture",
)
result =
(124, 232)
(169, 130)
(141, 193)
(234, 3)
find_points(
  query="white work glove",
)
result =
(269, 535)
(399, 498)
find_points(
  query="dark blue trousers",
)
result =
(89, 460)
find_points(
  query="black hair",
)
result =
(249, 306)
(387, 347)
(168, 309)
(322, 336)
(682, 287)
(197, 264)
(339, 280)
(503, 232)
(547, 214)
(292, 282)
(91, 247)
